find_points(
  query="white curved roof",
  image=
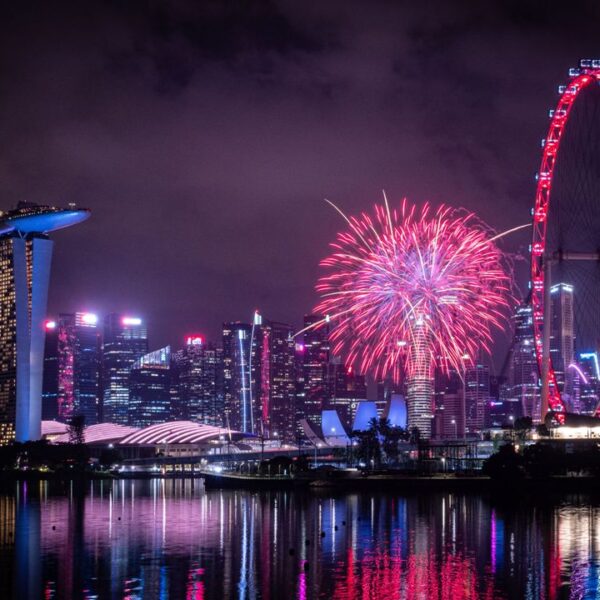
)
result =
(178, 432)
(53, 428)
(102, 432)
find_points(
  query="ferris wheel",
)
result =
(565, 249)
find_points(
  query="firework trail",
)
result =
(407, 289)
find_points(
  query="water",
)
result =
(172, 539)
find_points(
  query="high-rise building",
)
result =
(25, 257)
(125, 341)
(419, 385)
(589, 368)
(150, 389)
(562, 338)
(477, 396)
(259, 377)
(78, 349)
(524, 379)
(259, 367)
(236, 376)
(50, 377)
(281, 410)
(315, 354)
(450, 406)
(199, 371)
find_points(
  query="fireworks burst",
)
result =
(406, 287)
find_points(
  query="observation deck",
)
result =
(28, 218)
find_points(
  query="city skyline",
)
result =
(235, 181)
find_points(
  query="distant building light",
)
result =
(87, 319)
(194, 340)
(131, 321)
(50, 324)
(299, 347)
(257, 318)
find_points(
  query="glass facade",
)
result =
(199, 371)
(150, 389)
(125, 341)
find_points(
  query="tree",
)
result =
(415, 435)
(76, 429)
(505, 465)
(522, 426)
(390, 437)
(368, 449)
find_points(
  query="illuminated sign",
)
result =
(193, 340)
(132, 321)
(50, 324)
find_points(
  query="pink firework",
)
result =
(409, 289)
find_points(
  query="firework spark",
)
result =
(405, 286)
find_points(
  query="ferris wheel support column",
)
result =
(546, 339)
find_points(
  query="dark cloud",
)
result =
(204, 136)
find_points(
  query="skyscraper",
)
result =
(589, 365)
(125, 341)
(315, 353)
(25, 257)
(419, 386)
(78, 367)
(450, 405)
(562, 338)
(199, 367)
(150, 389)
(282, 382)
(477, 396)
(236, 376)
(523, 375)
(50, 377)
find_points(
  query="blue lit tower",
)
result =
(25, 259)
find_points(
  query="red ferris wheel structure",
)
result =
(543, 256)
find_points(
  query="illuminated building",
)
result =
(282, 384)
(524, 377)
(25, 257)
(259, 377)
(315, 361)
(78, 351)
(477, 397)
(150, 389)
(562, 338)
(199, 372)
(50, 378)
(419, 385)
(272, 378)
(125, 341)
(259, 367)
(236, 376)
(450, 403)
(590, 382)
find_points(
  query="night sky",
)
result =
(204, 136)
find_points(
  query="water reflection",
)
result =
(171, 539)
